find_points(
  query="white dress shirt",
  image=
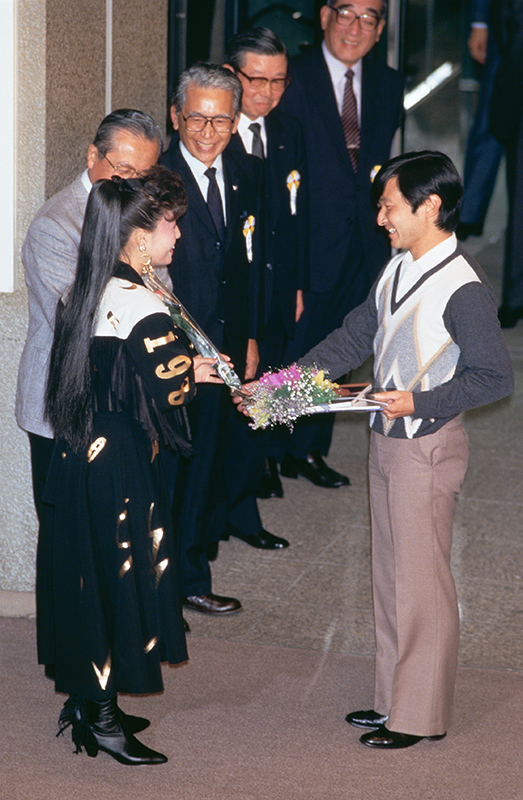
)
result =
(248, 136)
(86, 182)
(337, 72)
(198, 169)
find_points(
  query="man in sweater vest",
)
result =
(430, 320)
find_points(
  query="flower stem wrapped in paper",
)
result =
(182, 319)
(285, 395)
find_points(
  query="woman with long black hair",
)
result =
(120, 374)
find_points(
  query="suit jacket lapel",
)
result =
(231, 195)
(322, 90)
(194, 195)
(370, 108)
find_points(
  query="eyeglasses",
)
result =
(346, 16)
(196, 123)
(123, 170)
(279, 84)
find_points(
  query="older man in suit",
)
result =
(217, 273)
(350, 106)
(126, 143)
(260, 60)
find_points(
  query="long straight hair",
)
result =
(114, 210)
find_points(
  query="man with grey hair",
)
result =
(217, 273)
(127, 143)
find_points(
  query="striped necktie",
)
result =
(349, 120)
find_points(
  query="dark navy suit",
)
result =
(286, 271)
(223, 291)
(286, 234)
(347, 250)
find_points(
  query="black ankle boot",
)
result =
(98, 726)
(106, 733)
(71, 711)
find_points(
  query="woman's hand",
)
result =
(204, 371)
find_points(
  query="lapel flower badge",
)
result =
(293, 184)
(248, 230)
(374, 171)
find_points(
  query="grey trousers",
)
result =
(413, 487)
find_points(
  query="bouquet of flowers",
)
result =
(285, 395)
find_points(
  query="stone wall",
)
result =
(61, 98)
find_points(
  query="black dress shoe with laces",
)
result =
(212, 604)
(384, 739)
(270, 483)
(366, 719)
(263, 540)
(314, 468)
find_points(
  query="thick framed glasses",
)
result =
(196, 123)
(123, 170)
(346, 16)
(279, 84)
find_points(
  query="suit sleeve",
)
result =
(302, 214)
(49, 254)
(257, 265)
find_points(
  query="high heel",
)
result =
(106, 733)
(99, 726)
(71, 711)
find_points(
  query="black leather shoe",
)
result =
(384, 739)
(212, 604)
(366, 719)
(263, 540)
(509, 317)
(314, 468)
(270, 483)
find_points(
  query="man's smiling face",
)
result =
(205, 145)
(349, 43)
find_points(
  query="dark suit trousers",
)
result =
(323, 313)
(199, 505)
(41, 452)
(483, 149)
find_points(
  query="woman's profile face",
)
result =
(161, 241)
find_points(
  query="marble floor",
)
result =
(316, 594)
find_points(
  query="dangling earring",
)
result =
(147, 261)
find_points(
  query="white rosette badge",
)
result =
(248, 230)
(293, 184)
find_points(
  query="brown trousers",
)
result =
(413, 487)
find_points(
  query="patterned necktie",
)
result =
(214, 203)
(257, 141)
(349, 120)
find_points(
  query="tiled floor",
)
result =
(316, 594)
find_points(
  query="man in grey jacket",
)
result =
(127, 143)
(430, 320)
